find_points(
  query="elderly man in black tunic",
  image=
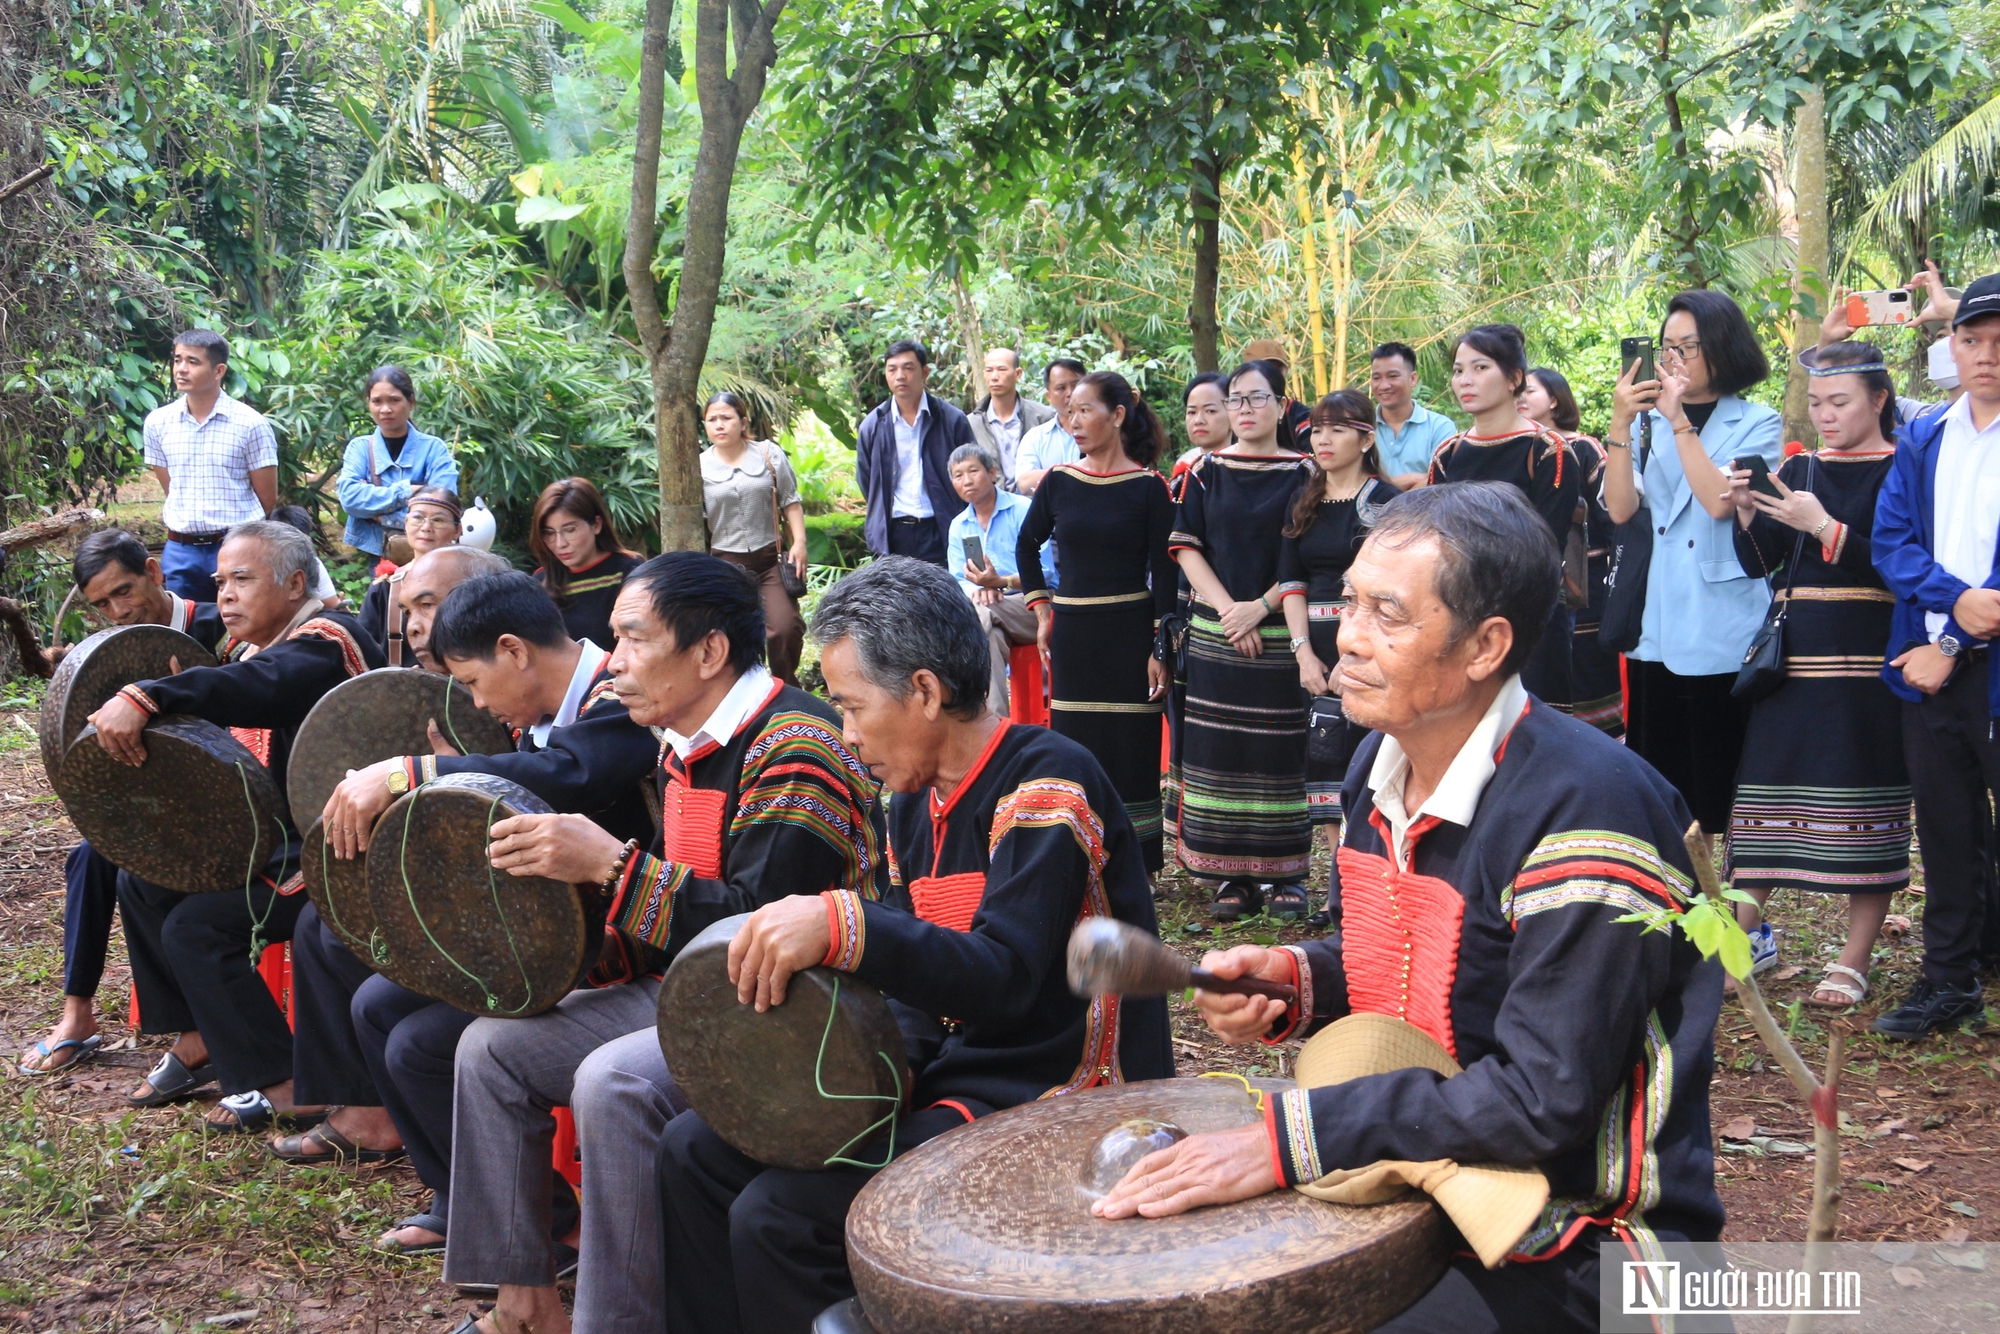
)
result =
(1002, 838)
(194, 955)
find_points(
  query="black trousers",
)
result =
(1691, 729)
(410, 1043)
(758, 1249)
(192, 963)
(916, 537)
(90, 897)
(328, 1068)
(1954, 762)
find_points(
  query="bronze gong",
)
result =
(201, 815)
(339, 889)
(796, 1085)
(988, 1228)
(457, 929)
(99, 668)
(371, 717)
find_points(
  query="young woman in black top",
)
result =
(582, 562)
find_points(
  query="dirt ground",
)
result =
(116, 1220)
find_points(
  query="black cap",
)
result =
(1981, 298)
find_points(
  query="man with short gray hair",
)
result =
(1495, 856)
(990, 524)
(1007, 837)
(191, 953)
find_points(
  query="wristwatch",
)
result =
(398, 780)
(1949, 646)
(1300, 643)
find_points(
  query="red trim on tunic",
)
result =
(691, 825)
(949, 901)
(1400, 939)
(956, 1106)
(941, 810)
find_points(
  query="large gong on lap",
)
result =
(201, 815)
(99, 668)
(374, 716)
(795, 1085)
(458, 930)
(339, 889)
(988, 1228)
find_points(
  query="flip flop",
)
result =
(429, 1223)
(291, 1149)
(253, 1112)
(84, 1048)
(173, 1082)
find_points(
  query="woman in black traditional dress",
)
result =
(581, 561)
(1240, 762)
(1596, 682)
(1489, 365)
(1328, 520)
(1822, 794)
(1109, 514)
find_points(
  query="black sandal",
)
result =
(252, 1112)
(1236, 900)
(1289, 901)
(429, 1223)
(340, 1149)
(173, 1082)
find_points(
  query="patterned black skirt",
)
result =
(1097, 660)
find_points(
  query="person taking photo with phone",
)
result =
(1822, 797)
(1701, 609)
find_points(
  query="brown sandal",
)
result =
(338, 1148)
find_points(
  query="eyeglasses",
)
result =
(427, 522)
(1260, 399)
(1687, 350)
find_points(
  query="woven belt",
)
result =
(1324, 611)
(196, 539)
(1142, 595)
(1831, 593)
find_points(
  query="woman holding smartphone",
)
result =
(1823, 797)
(1323, 530)
(1702, 609)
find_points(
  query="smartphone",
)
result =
(1641, 351)
(975, 551)
(1760, 475)
(1890, 307)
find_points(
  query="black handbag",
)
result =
(1763, 669)
(1631, 560)
(1326, 730)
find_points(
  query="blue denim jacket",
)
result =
(1702, 610)
(384, 499)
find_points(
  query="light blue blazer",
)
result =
(1702, 610)
(383, 501)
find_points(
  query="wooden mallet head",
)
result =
(1110, 958)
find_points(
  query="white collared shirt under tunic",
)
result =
(744, 698)
(587, 664)
(209, 463)
(911, 501)
(1967, 499)
(736, 497)
(1455, 800)
(1006, 435)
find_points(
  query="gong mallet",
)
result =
(1109, 958)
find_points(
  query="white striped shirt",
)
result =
(209, 463)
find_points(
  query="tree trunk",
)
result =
(676, 346)
(972, 336)
(1688, 230)
(1809, 196)
(1207, 264)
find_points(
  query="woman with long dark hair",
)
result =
(1489, 366)
(1595, 679)
(1823, 795)
(745, 486)
(582, 562)
(1323, 530)
(1109, 514)
(1240, 760)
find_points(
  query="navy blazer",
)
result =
(875, 467)
(1904, 538)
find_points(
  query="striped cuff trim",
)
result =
(1298, 1152)
(141, 700)
(1300, 1011)
(846, 929)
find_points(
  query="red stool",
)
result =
(1027, 697)
(568, 1162)
(274, 965)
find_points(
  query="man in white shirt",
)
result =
(1936, 524)
(214, 457)
(1050, 444)
(901, 459)
(1003, 417)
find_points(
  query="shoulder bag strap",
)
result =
(777, 514)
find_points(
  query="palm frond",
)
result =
(1959, 159)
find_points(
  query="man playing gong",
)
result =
(1005, 837)
(1492, 847)
(579, 750)
(123, 583)
(194, 955)
(762, 800)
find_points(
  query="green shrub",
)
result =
(835, 540)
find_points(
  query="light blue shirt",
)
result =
(1702, 609)
(998, 538)
(1045, 447)
(384, 500)
(910, 501)
(1409, 450)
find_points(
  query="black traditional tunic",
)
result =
(378, 610)
(1822, 795)
(1544, 467)
(586, 604)
(1586, 1042)
(1242, 749)
(1596, 679)
(985, 888)
(1117, 581)
(782, 808)
(1315, 563)
(199, 621)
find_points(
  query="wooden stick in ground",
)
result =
(1821, 1095)
(47, 528)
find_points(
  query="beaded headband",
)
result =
(1814, 369)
